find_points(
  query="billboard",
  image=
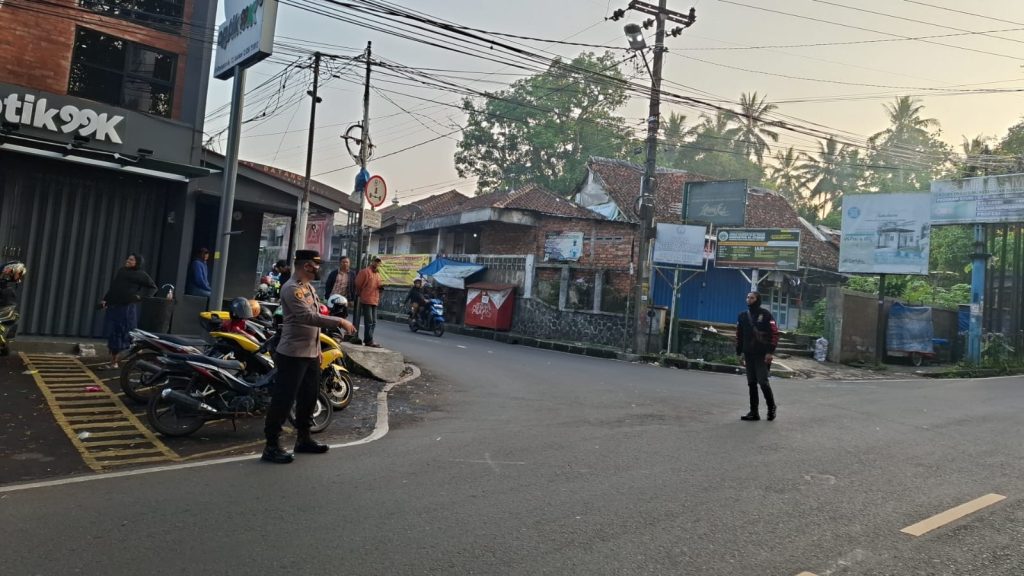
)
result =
(680, 244)
(246, 36)
(567, 246)
(885, 233)
(763, 248)
(981, 200)
(722, 203)
(401, 269)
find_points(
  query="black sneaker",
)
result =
(771, 413)
(310, 446)
(750, 417)
(277, 455)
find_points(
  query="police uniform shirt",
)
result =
(300, 330)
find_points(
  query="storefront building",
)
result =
(101, 122)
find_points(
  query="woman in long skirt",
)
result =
(129, 286)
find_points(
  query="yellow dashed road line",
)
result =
(88, 416)
(929, 524)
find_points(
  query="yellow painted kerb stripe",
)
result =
(929, 524)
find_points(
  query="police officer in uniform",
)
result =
(298, 360)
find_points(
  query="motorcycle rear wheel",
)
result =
(322, 414)
(337, 385)
(133, 379)
(170, 419)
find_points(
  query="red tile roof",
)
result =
(769, 209)
(531, 198)
(436, 205)
(622, 181)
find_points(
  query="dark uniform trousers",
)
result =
(757, 374)
(298, 383)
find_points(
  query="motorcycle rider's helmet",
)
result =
(13, 272)
(240, 309)
(418, 280)
(337, 301)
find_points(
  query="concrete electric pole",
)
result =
(649, 186)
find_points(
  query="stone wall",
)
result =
(539, 320)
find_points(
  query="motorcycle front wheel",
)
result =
(322, 414)
(171, 419)
(438, 328)
(337, 385)
(413, 325)
(137, 383)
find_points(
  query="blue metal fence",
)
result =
(717, 295)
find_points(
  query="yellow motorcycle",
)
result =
(234, 340)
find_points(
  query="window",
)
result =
(386, 245)
(166, 14)
(115, 71)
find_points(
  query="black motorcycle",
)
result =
(8, 328)
(215, 392)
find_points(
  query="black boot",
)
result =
(305, 444)
(771, 412)
(750, 416)
(274, 453)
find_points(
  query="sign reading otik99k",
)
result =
(763, 249)
(246, 36)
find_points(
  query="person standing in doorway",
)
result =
(298, 360)
(198, 283)
(369, 287)
(341, 281)
(757, 335)
(130, 285)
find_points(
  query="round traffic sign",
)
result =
(376, 191)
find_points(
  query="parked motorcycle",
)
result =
(141, 375)
(215, 392)
(430, 317)
(335, 380)
(9, 317)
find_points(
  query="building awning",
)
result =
(450, 273)
(134, 164)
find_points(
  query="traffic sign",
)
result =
(371, 219)
(376, 191)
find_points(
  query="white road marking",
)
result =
(953, 514)
(379, 431)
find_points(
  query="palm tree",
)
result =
(905, 145)
(752, 131)
(786, 177)
(974, 151)
(716, 133)
(827, 171)
(906, 127)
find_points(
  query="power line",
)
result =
(965, 13)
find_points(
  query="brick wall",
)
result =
(37, 43)
(605, 244)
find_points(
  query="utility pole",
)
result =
(649, 186)
(364, 153)
(227, 199)
(364, 156)
(299, 239)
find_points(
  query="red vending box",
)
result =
(490, 305)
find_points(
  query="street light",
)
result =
(635, 36)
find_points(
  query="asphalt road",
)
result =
(537, 462)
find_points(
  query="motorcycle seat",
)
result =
(233, 365)
(184, 340)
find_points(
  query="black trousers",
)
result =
(757, 375)
(298, 383)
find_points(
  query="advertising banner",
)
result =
(764, 249)
(982, 200)
(722, 203)
(563, 247)
(318, 233)
(885, 233)
(680, 244)
(401, 269)
(246, 36)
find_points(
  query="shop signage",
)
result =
(565, 247)
(246, 36)
(885, 233)
(27, 110)
(722, 203)
(981, 200)
(680, 244)
(763, 249)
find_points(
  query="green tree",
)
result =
(825, 174)
(711, 149)
(753, 134)
(908, 154)
(977, 155)
(543, 129)
(786, 177)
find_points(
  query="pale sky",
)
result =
(840, 87)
